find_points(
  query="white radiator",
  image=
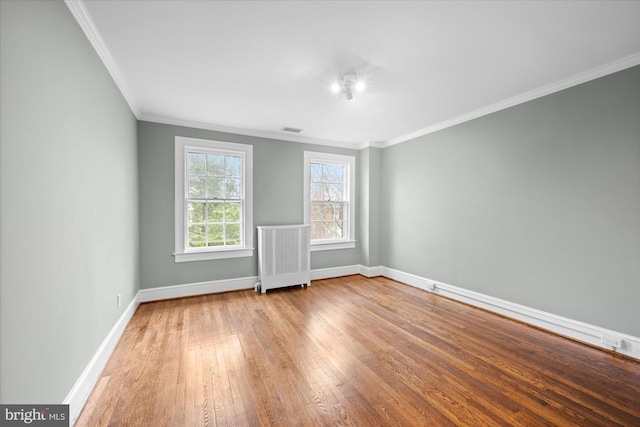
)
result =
(283, 256)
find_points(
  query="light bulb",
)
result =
(335, 88)
(359, 85)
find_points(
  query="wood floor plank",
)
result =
(353, 351)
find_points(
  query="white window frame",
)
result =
(349, 241)
(182, 252)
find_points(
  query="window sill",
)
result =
(212, 255)
(316, 247)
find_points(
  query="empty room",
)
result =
(319, 213)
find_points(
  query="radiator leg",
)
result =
(257, 287)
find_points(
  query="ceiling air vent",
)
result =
(294, 130)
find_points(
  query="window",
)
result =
(329, 206)
(214, 199)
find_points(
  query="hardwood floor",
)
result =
(352, 351)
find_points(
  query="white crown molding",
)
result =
(249, 132)
(592, 74)
(80, 13)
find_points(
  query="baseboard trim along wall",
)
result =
(328, 273)
(193, 289)
(563, 326)
(87, 380)
(560, 325)
(371, 271)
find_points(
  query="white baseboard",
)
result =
(327, 273)
(560, 325)
(348, 270)
(370, 271)
(200, 288)
(83, 386)
(87, 380)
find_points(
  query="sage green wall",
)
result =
(538, 204)
(369, 202)
(278, 193)
(68, 202)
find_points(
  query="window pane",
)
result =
(214, 233)
(232, 233)
(232, 166)
(323, 211)
(316, 212)
(334, 192)
(332, 173)
(195, 212)
(339, 173)
(196, 163)
(327, 212)
(196, 187)
(196, 235)
(333, 230)
(215, 165)
(316, 230)
(316, 191)
(335, 211)
(325, 193)
(215, 211)
(327, 230)
(232, 212)
(316, 172)
(233, 188)
(215, 188)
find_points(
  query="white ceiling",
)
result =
(254, 67)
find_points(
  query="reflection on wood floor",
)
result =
(352, 351)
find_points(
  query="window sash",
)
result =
(329, 189)
(329, 220)
(209, 225)
(222, 237)
(206, 227)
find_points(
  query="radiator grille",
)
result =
(283, 256)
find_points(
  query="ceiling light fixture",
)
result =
(347, 84)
